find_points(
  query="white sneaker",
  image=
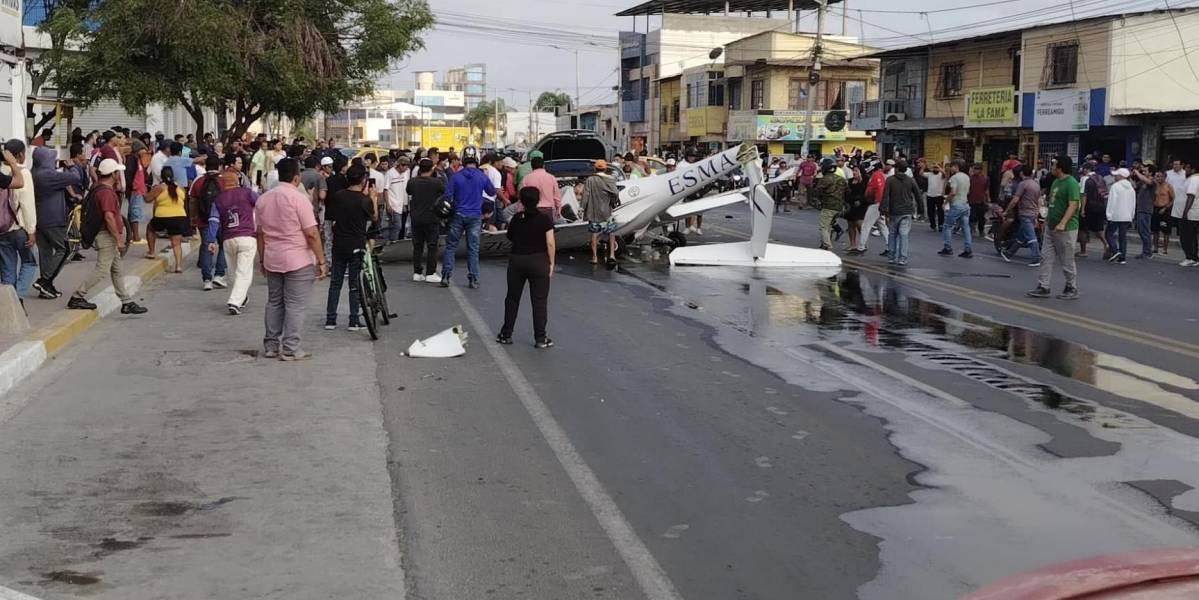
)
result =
(418, 277)
(1188, 263)
(433, 278)
(220, 282)
(698, 231)
(690, 230)
(207, 286)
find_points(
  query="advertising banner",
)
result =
(1062, 110)
(788, 126)
(991, 106)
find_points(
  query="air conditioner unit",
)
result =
(893, 117)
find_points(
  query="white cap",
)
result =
(1122, 173)
(108, 166)
(671, 161)
(891, 162)
(327, 161)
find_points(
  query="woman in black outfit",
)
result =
(532, 260)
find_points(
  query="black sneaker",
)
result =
(966, 254)
(472, 283)
(1068, 294)
(77, 303)
(44, 290)
(77, 257)
(885, 253)
(1040, 292)
(234, 309)
(544, 343)
(132, 308)
(1004, 255)
(503, 339)
(445, 281)
(946, 252)
(1115, 257)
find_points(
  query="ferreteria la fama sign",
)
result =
(991, 106)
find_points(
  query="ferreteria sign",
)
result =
(991, 106)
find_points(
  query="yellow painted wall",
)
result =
(938, 147)
(1094, 45)
(444, 137)
(984, 64)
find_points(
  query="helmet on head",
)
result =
(827, 165)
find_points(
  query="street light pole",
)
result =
(813, 78)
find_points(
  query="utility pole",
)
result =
(497, 118)
(813, 77)
(578, 97)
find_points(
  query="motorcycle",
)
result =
(1005, 226)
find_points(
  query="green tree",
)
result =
(252, 57)
(548, 101)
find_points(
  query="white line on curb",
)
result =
(645, 568)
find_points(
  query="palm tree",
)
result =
(551, 100)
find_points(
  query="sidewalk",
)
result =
(53, 327)
(163, 457)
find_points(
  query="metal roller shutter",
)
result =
(1185, 130)
(104, 115)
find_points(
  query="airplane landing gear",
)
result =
(676, 239)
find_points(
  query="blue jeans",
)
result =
(396, 222)
(471, 226)
(958, 214)
(336, 276)
(205, 262)
(1117, 237)
(1145, 229)
(901, 228)
(18, 264)
(1027, 234)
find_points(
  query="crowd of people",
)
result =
(299, 211)
(1054, 212)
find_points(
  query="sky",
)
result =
(521, 64)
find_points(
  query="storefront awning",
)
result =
(933, 123)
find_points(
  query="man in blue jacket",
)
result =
(465, 190)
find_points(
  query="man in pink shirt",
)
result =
(288, 240)
(551, 195)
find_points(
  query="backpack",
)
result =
(8, 213)
(91, 220)
(209, 190)
(1101, 185)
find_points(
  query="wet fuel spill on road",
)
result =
(1037, 450)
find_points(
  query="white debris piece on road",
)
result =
(447, 344)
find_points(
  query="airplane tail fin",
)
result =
(762, 213)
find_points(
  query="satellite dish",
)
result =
(715, 53)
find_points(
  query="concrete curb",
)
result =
(11, 594)
(43, 342)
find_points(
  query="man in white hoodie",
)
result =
(1121, 208)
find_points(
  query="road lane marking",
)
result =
(1036, 310)
(11, 594)
(650, 576)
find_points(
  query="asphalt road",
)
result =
(695, 433)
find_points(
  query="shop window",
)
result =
(1063, 64)
(951, 80)
(757, 93)
(797, 94)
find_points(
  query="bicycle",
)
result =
(75, 230)
(372, 291)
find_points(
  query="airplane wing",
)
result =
(788, 175)
(695, 207)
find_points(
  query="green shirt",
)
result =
(1063, 192)
(524, 169)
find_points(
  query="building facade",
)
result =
(1116, 85)
(767, 89)
(471, 80)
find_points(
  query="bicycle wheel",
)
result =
(381, 295)
(74, 235)
(366, 301)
